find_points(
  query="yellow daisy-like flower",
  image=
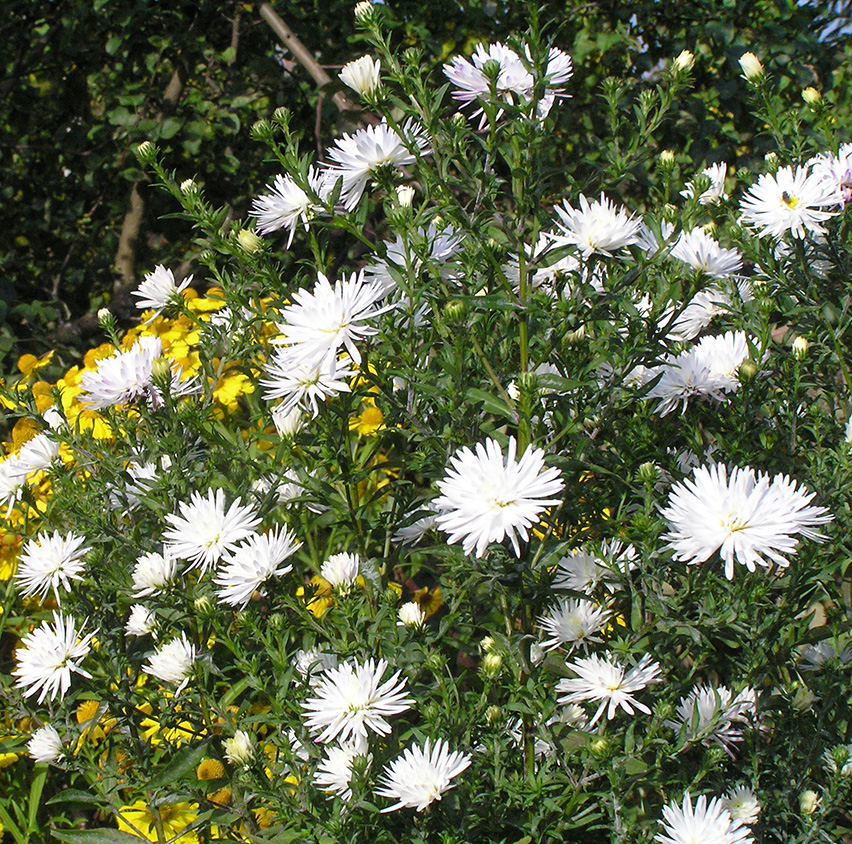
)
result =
(210, 769)
(10, 548)
(320, 599)
(28, 365)
(230, 386)
(140, 819)
(7, 759)
(369, 421)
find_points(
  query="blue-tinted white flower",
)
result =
(312, 662)
(745, 516)
(572, 623)
(362, 75)
(13, 480)
(352, 700)
(594, 228)
(334, 771)
(158, 289)
(609, 681)
(583, 569)
(835, 171)
(421, 775)
(486, 497)
(38, 453)
(45, 745)
(152, 573)
(714, 715)
(788, 201)
(49, 655)
(706, 823)
(304, 385)
(48, 562)
(358, 157)
(287, 204)
(742, 804)
(838, 760)
(703, 253)
(716, 191)
(254, 561)
(341, 571)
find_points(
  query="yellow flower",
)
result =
(320, 599)
(369, 421)
(430, 601)
(7, 759)
(221, 797)
(140, 819)
(87, 711)
(30, 364)
(210, 769)
(230, 386)
(10, 548)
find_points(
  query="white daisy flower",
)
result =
(515, 84)
(172, 663)
(714, 716)
(716, 191)
(706, 823)
(703, 253)
(610, 682)
(362, 75)
(572, 623)
(312, 662)
(202, 531)
(158, 289)
(124, 377)
(48, 562)
(341, 571)
(788, 202)
(421, 775)
(486, 496)
(304, 385)
(581, 570)
(152, 573)
(253, 562)
(703, 308)
(49, 655)
(413, 533)
(411, 614)
(13, 480)
(287, 423)
(597, 227)
(286, 205)
(358, 156)
(320, 323)
(38, 453)
(352, 699)
(141, 622)
(334, 771)
(835, 171)
(742, 804)
(239, 749)
(45, 745)
(747, 518)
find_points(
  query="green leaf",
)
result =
(183, 763)
(11, 826)
(492, 403)
(72, 795)
(94, 836)
(171, 126)
(36, 788)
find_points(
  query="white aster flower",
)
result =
(362, 75)
(334, 771)
(359, 156)
(742, 804)
(141, 622)
(49, 655)
(581, 570)
(707, 823)
(45, 745)
(596, 227)
(716, 191)
(610, 682)
(38, 453)
(304, 385)
(352, 699)
(202, 531)
(286, 205)
(13, 479)
(572, 623)
(515, 84)
(835, 171)
(239, 750)
(838, 760)
(341, 570)
(746, 517)
(788, 201)
(413, 533)
(703, 308)
(173, 662)
(158, 289)
(411, 615)
(317, 325)
(421, 775)
(287, 423)
(714, 716)
(312, 662)
(124, 377)
(152, 573)
(49, 562)
(486, 496)
(253, 562)
(703, 253)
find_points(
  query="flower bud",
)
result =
(161, 370)
(747, 371)
(106, 320)
(493, 716)
(808, 802)
(803, 699)
(454, 310)
(800, 348)
(249, 241)
(239, 750)
(492, 664)
(410, 615)
(262, 130)
(647, 473)
(574, 338)
(751, 65)
(363, 11)
(667, 158)
(362, 75)
(684, 61)
(146, 152)
(598, 746)
(487, 644)
(188, 186)
(772, 161)
(404, 196)
(282, 116)
(811, 96)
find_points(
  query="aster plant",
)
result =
(453, 498)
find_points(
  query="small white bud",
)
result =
(411, 615)
(404, 196)
(751, 65)
(684, 61)
(239, 750)
(362, 75)
(800, 348)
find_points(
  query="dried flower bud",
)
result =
(752, 67)
(808, 802)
